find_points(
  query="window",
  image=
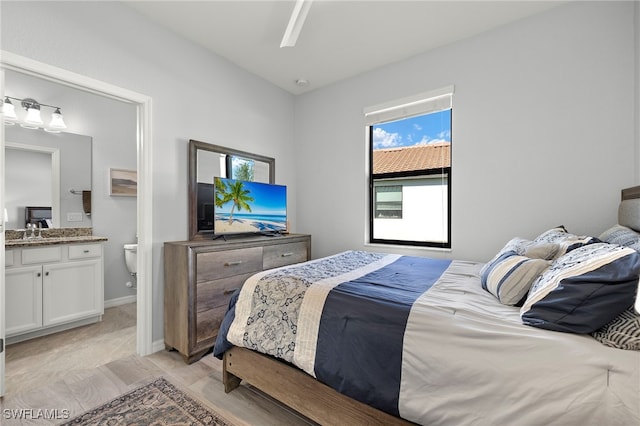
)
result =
(241, 168)
(388, 199)
(410, 170)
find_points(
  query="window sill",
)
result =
(403, 247)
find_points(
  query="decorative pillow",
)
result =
(623, 332)
(532, 249)
(622, 236)
(509, 276)
(567, 241)
(584, 289)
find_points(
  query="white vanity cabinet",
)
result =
(23, 291)
(52, 288)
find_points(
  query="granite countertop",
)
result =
(51, 236)
(33, 242)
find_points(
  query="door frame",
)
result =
(144, 220)
(3, 338)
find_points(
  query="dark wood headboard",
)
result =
(631, 193)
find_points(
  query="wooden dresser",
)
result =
(200, 276)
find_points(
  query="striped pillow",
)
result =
(584, 289)
(623, 332)
(622, 236)
(509, 276)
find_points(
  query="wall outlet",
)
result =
(74, 217)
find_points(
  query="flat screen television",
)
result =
(243, 207)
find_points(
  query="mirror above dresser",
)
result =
(207, 161)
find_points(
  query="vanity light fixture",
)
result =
(33, 119)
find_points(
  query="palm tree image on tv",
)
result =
(249, 207)
(235, 192)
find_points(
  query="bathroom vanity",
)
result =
(52, 284)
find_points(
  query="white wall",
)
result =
(543, 132)
(196, 95)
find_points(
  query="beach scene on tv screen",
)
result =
(249, 207)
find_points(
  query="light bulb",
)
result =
(9, 112)
(33, 119)
(57, 123)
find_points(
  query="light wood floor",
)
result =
(79, 369)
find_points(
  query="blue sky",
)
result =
(430, 128)
(269, 199)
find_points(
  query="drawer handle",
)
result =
(235, 263)
(85, 251)
(287, 254)
(230, 291)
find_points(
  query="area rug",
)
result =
(158, 403)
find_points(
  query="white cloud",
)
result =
(383, 139)
(416, 126)
(445, 135)
(425, 140)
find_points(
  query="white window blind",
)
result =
(423, 103)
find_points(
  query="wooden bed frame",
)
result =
(298, 390)
(303, 393)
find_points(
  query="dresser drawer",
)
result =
(83, 251)
(212, 300)
(284, 254)
(221, 264)
(8, 258)
(41, 255)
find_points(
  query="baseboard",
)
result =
(120, 301)
(158, 345)
(54, 329)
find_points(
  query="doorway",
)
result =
(144, 327)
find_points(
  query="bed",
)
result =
(543, 333)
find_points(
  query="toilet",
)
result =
(130, 257)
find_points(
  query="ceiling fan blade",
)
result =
(298, 16)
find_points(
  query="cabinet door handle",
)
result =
(38, 274)
(230, 291)
(287, 254)
(46, 274)
(235, 263)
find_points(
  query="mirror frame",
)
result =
(194, 147)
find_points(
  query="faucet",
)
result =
(26, 232)
(30, 227)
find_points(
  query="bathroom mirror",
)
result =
(41, 169)
(207, 161)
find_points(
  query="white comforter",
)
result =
(486, 368)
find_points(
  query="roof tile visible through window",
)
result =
(412, 158)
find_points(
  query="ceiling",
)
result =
(339, 38)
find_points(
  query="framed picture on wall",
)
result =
(123, 182)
